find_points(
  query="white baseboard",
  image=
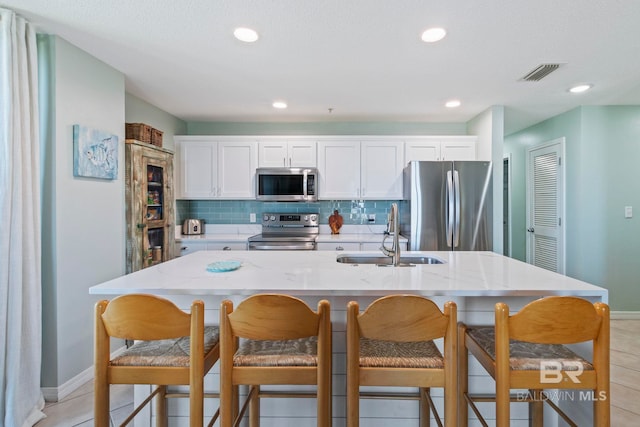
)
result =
(56, 394)
(625, 315)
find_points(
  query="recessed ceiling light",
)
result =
(580, 88)
(433, 35)
(245, 34)
(279, 104)
(452, 104)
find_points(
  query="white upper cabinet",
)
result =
(440, 148)
(381, 164)
(339, 169)
(196, 176)
(287, 153)
(237, 162)
(351, 169)
(212, 168)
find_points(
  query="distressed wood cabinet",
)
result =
(149, 205)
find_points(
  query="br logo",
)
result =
(551, 371)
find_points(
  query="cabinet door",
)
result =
(277, 154)
(237, 163)
(460, 148)
(272, 154)
(227, 246)
(187, 247)
(302, 154)
(198, 161)
(381, 170)
(339, 169)
(329, 246)
(370, 246)
(428, 150)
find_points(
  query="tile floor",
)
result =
(76, 410)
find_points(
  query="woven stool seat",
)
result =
(298, 352)
(170, 352)
(393, 354)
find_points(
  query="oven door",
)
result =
(282, 245)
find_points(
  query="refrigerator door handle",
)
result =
(450, 209)
(456, 191)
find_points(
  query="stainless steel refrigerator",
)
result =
(447, 206)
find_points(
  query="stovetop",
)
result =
(288, 227)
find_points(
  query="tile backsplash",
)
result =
(238, 211)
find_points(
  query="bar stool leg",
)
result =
(161, 406)
(463, 379)
(425, 410)
(254, 407)
(536, 410)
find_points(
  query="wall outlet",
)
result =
(372, 217)
(252, 217)
(628, 211)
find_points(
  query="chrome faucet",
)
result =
(393, 229)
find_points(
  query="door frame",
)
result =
(508, 158)
(561, 141)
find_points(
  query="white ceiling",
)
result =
(362, 58)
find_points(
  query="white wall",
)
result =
(85, 241)
(489, 127)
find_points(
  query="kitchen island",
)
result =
(474, 280)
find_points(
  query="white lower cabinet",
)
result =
(332, 246)
(189, 247)
(376, 246)
(355, 246)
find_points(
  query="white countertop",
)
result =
(316, 273)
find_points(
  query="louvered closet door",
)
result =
(545, 197)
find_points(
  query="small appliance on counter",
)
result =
(193, 226)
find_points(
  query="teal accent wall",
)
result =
(602, 177)
(139, 111)
(237, 211)
(325, 128)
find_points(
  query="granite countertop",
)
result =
(316, 273)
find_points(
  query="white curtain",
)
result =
(20, 282)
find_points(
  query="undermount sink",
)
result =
(405, 261)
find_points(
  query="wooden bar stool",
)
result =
(391, 344)
(283, 342)
(172, 348)
(519, 350)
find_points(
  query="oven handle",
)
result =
(263, 247)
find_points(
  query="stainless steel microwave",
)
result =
(287, 184)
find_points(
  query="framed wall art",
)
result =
(95, 153)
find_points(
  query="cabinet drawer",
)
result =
(331, 246)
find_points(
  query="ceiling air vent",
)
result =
(540, 72)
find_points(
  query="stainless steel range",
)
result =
(286, 232)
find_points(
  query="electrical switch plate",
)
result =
(628, 211)
(252, 217)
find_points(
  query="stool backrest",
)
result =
(405, 318)
(275, 317)
(554, 320)
(147, 317)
